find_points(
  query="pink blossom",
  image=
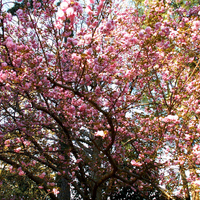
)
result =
(58, 24)
(19, 12)
(134, 163)
(64, 5)
(42, 175)
(147, 160)
(76, 57)
(9, 16)
(34, 162)
(195, 25)
(170, 118)
(197, 182)
(9, 42)
(100, 133)
(187, 137)
(67, 1)
(21, 173)
(40, 187)
(1, 136)
(61, 15)
(11, 169)
(73, 173)
(99, 7)
(158, 25)
(4, 64)
(148, 29)
(198, 127)
(89, 10)
(51, 184)
(17, 150)
(61, 157)
(55, 191)
(87, 77)
(70, 12)
(3, 76)
(78, 160)
(83, 107)
(141, 34)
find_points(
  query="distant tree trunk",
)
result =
(96, 178)
(185, 183)
(64, 189)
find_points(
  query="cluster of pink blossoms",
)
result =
(67, 10)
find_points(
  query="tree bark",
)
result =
(64, 189)
(185, 183)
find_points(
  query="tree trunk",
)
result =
(185, 183)
(64, 189)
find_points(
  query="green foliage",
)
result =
(18, 187)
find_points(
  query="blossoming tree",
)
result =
(102, 96)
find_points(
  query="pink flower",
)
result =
(134, 163)
(187, 136)
(181, 162)
(21, 173)
(42, 175)
(64, 6)
(19, 12)
(141, 34)
(170, 118)
(1, 136)
(70, 12)
(51, 184)
(198, 128)
(73, 173)
(101, 134)
(83, 107)
(61, 15)
(55, 191)
(4, 64)
(195, 25)
(58, 24)
(158, 25)
(87, 77)
(147, 160)
(88, 10)
(148, 29)
(197, 182)
(9, 44)
(17, 150)
(40, 187)
(3, 76)
(61, 157)
(78, 160)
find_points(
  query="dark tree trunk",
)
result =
(64, 189)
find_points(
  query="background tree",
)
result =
(102, 96)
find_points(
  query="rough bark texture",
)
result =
(64, 190)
